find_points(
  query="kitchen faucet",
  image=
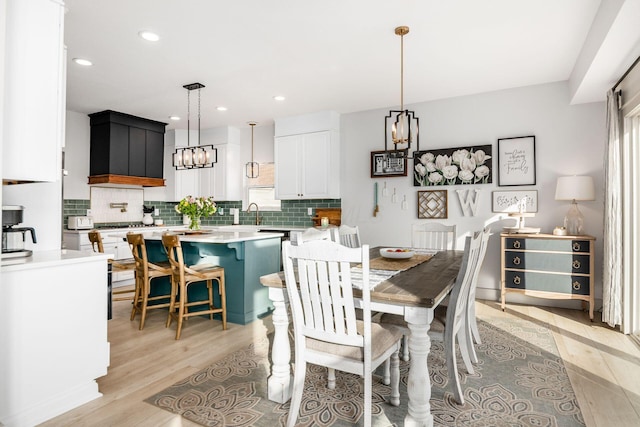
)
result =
(257, 212)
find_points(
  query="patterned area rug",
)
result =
(519, 381)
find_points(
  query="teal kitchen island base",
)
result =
(245, 257)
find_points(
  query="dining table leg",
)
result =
(418, 381)
(279, 384)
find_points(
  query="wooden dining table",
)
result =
(413, 293)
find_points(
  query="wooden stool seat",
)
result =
(145, 273)
(184, 276)
(117, 266)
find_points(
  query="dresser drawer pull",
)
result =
(576, 264)
(516, 280)
(516, 244)
(576, 285)
(516, 260)
(576, 246)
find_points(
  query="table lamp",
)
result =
(575, 188)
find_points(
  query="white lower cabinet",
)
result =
(307, 166)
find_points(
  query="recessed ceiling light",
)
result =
(174, 118)
(279, 98)
(221, 108)
(82, 61)
(149, 36)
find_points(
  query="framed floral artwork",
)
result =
(388, 164)
(517, 161)
(433, 204)
(452, 166)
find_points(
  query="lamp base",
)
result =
(574, 221)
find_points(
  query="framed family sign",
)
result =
(517, 161)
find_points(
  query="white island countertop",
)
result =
(45, 259)
(214, 235)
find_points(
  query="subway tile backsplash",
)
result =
(293, 213)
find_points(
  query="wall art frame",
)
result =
(453, 166)
(517, 161)
(385, 164)
(509, 201)
(433, 204)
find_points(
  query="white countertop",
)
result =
(214, 235)
(46, 259)
(160, 228)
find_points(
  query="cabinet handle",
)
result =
(576, 246)
(576, 264)
(516, 260)
(576, 285)
(516, 280)
(516, 244)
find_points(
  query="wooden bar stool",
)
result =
(145, 273)
(183, 276)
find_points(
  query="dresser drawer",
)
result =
(557, 283)
(556, 262)
(547, 244)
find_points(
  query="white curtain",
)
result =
(612, 276)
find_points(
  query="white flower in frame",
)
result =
(421, 169)
(459, 155)
(481, 157)
(431, 167)
(435, 178)
(482, 172)
(426, 158)
(465, 176)
(450, 172)
(442, 161)
(468, 164)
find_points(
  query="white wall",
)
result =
(569, 140)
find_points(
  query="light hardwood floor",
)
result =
(603, 364)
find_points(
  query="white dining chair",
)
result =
(433, 235)
(449, 324)
(349, 236)
(313, 233)
(326, 331)
(472, 325)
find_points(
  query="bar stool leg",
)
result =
(223, 300)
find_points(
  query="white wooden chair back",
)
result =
(349, 236)
(472, 326)
(322, 306)
(298, 237)
(433, 235)
(456, 311)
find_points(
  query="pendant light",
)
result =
(401, 126)
(198, 156)
(252, 168)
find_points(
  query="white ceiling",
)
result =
(338, 55)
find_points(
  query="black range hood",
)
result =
(126, 149)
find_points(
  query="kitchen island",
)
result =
(245, 256)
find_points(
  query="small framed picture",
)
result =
(433, 204)
(517, 161)
(388, 164)
(514, 201)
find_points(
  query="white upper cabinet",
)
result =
(307, 161)
(223, 181)
(34, 91)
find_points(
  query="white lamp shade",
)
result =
(575, 188)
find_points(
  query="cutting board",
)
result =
(334, 215)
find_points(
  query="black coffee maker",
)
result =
(13, 237)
